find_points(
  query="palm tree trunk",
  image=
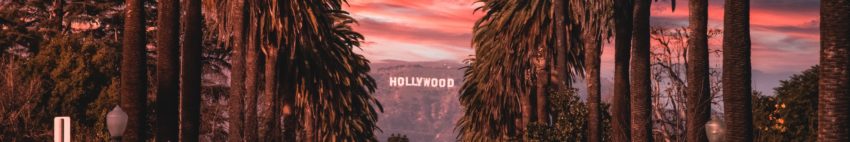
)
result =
(285, 102)
(592, 61)
(252, 92)
(271, 87)
(541, 116)
(737, 86)
(834, 83)
(698, 93)
(542, 109)
(620, 101)
(134, 83)
(168, 70)
(237, 71)
(557, 65)
(191, 71)
(641, 89)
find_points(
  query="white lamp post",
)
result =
(715, 130)
(116, 122)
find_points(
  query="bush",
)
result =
(570, 120)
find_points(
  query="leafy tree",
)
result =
(790, 115)
(79, 76)
(69, 71)
(506, 79)
(765, 115)
(797, 105)
(570, 121)
(398, 138)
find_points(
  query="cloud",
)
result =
(412, 34)
(415, 30)
(785, 33)
(803, 6)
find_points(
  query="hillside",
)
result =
(422, 112)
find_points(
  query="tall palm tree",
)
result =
(271, 87)
(190, 85)
(737, 86)
(168, 70)
(596, 17)
(622, 43)
(317, 69)
(641, 89)
(504, 75)
(557, 68)
(320, 79)
(592, 60)
(235, 17)
(834, 83)
(134, 83)
(698, 93)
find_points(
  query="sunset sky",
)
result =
(784, 33)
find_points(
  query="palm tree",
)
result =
(620, 101)
(737, 90)
(167, 70)
(596, 17)
(698, 93)
(336, 103)
(834, 96)
(134, 83)
(191, 71)
(271, 88)
(312, 72)
(235, 17)
(319, 79)
(592, 60)
(506, 71)
(641, 89)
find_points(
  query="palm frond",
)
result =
(507, 38)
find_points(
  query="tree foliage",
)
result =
(398, 138)
(318, 69)
(69, 70)
(503, 68)
(570, 123)
(790, 115)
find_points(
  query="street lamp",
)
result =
(715, 130)
(116, 122)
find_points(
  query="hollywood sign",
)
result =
(422, 82)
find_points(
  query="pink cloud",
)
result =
(785, 33)
(431, 27)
